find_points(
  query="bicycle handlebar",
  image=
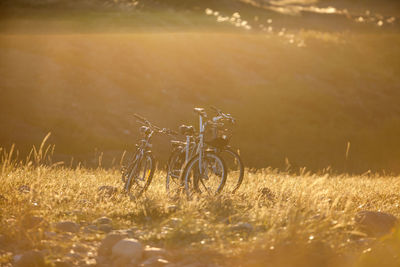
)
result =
(137, 116)
(154, 127)
(215, 109)
(222, 115)
(146, 122)
(169, 131)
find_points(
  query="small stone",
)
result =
(66, 236)
(109, 241)
(150, 252)
(24, 188)
(80, 248)
(29, 221)
(243, 226)
(175, 222)
(128, 233)
(73, 255)
(122, 262)
(2, 199)
(67, 226)
(102, 220)
(172, 208)
(49, 234)
(266, 193)
(29, 259)
(90, 229)
(60, 263)
(91, 262)
(375, 223)
(128, 248)
(155, 261)
(106, 228)
(107, 190)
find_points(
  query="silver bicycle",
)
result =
(218, 143)
(205, 170)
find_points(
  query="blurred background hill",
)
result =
(304, 78)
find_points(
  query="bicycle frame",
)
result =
(141, 150)
(195, 144)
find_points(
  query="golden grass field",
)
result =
(275, 219)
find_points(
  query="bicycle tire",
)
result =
(240, 165)
(185, 175)
(149, 178)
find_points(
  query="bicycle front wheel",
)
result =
(140, 174)
(207, 174)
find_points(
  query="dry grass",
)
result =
(304, 220)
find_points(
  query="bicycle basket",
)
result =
(216, 136)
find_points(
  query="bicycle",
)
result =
(205, 169)
(180, 155)
(140, 170)
(182, 151)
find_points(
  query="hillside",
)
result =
(299, 90)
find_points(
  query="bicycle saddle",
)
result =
(186, 130)
(200, 111)
(177, 143)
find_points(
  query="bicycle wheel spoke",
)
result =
(205, 187)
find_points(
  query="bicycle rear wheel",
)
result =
(140, 174)
(209, 177)
(173, 181)
(235, 169)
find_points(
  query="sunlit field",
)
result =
(314, 86)
(275, 219)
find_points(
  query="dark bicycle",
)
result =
(221, 135)
(139, 172)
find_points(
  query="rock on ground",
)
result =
(102, 220)
(106, 228)
(375, 223)
(150, 252)
(3, 198)
(107, 190)
(266, 193)
(243, 226)
(24, 188)
(128, 248)
(172, 208)
(30, 259)
(29, 221)
(67, 226)
(156, 261)
(90, 229)
(109, 241)
(62, 264)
